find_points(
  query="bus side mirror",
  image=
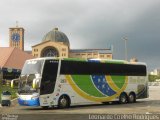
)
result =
(14, 83)
(35, 84)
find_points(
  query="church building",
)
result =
(56, 43)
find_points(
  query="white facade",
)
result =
(155, 72)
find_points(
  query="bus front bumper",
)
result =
(31, 102)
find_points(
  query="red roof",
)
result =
(13, 57)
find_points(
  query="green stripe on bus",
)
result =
(74, 59)
(84, 82)
(115, 62)
(118, 80)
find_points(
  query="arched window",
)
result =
(49, 52)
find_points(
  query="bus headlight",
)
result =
(35, 96)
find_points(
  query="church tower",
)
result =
(16, 37)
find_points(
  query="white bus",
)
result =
(49, 82)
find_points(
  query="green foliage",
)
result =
(8, 88)
(152, 78)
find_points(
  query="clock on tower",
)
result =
(16, 37)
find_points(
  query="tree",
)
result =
(153, 78)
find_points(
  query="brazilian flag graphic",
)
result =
(98, 88)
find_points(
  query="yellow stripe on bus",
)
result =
(93, 98)
(111, 83)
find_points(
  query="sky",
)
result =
(89, 24)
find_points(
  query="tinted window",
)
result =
(97, 68)
(49, 76)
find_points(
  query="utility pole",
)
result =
(126, 52)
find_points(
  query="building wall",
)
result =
(88, 55)
(155, 72)
(63, 51)
(61, 48)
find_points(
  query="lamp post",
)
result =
(125, 42)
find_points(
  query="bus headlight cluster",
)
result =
(35, 96)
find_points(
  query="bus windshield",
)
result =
(25, 84)
(32, 67)
(31, 70)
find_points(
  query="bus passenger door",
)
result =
(48, 80)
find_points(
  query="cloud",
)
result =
(89, 24)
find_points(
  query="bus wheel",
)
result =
(132, 98)
(106, 103)
(45, 107)
(123, 98)
(64, 102)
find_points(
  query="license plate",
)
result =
(25, 102)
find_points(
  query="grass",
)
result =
(8, 88)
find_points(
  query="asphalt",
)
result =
(150, 105)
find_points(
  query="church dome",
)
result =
(56, 36)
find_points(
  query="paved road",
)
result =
(149, 105)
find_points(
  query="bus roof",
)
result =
(85, 60)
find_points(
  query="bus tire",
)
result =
(105, 103)
(123, 98)
(45, 107)
(63, 102)
(132, 97)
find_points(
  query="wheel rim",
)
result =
(131, 98)
(123, 99)
(63, 102)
